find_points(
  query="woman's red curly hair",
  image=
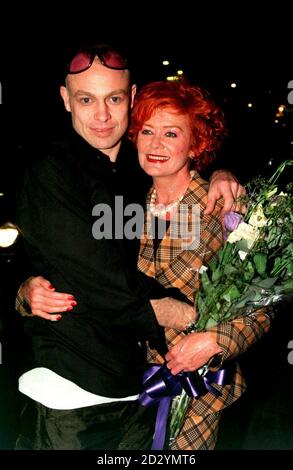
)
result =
(206, 118)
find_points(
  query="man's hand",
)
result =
(192, 352)
(172, 313)
(224, 184)
(43, 300)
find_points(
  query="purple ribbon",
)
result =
(160, 386)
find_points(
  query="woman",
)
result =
(177, 128)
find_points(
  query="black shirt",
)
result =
(99, 345)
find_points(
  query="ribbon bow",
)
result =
(160, 386)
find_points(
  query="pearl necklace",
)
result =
(161, 209)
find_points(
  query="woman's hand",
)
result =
(43, 300)
(223, 184)
(192, 352)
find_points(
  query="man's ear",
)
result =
(65, 97)
(133, 93)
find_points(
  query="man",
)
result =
(85, 371)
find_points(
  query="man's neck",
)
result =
(112, 152)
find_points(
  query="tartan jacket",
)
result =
(176, 264)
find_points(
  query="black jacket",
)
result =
(99, 345)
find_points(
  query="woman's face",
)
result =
(164, 144)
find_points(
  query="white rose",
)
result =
(242, 254)
(257, 218)
(202, 269)
(246, 232)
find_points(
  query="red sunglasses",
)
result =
(108, 56)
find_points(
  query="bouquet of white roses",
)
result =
(253, 269)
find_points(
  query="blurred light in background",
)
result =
(172, 78)
(8, 235)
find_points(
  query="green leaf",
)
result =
(260, 262)
(290, 268)
(249, 272)
(288, 287)
(225, 254)
(266, 283)
(210, 323)
(231, 293)
(277, 263)
(213, 264)
(200, 306)
(289, 249)
(274, 237)
(205, 282)
(179, 407)
(216, 275)
(229, 269)
(242, 245)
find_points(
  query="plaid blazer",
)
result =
(176, 264)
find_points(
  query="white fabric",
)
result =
(46, 387)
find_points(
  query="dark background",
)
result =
(214, 46)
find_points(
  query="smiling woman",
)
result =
(177, 128)
(190, 106)
(165, 144)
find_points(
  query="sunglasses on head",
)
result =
(108, 56)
